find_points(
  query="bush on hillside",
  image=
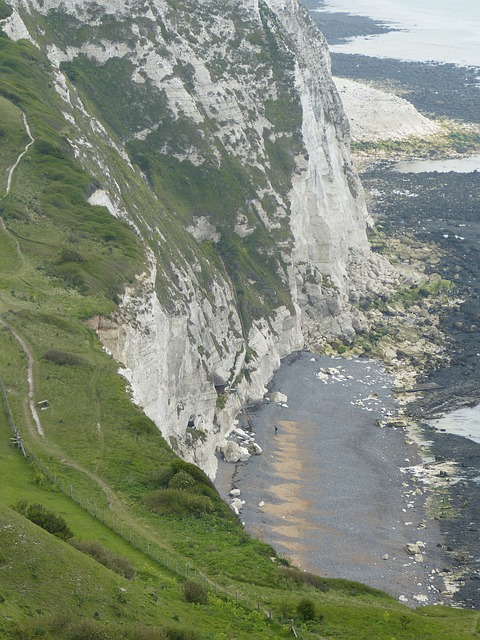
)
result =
(62, 357)
(195, 592)
(44, 518)
(98, 552)
(167, 502)
(306, 609)
(70, 255)
(181, 480)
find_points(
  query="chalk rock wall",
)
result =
(220, 137)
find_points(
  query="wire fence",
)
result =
(166, 558)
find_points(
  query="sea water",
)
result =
(426, 31)
(457, 165)
(463, 422)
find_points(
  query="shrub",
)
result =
(87, 630)
(181, 480)
(306, 609)
(168, 502)
(62, 357)
(162, 477)
(119, 564)
(70, 255)
(44, 518)
(195, 592)
(221, 401)
(197, 474)
(141, 425)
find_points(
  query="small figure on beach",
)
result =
(276, 429)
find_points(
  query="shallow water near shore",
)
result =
(433, 30)
(457, 165)
(462, 422)
(333, 491)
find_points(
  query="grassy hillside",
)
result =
(100, 464)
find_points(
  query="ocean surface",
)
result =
(426, 31)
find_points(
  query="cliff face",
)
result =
(214, 129)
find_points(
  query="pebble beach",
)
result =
(333, 492)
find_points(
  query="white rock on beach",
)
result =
(421, 598)
(237, 504)
(254, 449)
(278, 397)
(233, 452)
(240, 432)
(414, 549)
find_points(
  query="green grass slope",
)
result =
(100, 464)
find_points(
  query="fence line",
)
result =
(16, 439)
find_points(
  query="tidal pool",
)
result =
(457, 165)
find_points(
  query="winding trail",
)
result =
(20, 340)
(11, 170)
(31, 388)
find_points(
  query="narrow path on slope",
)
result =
(11, 170)
(31, 388)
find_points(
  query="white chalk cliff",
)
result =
(218, 134)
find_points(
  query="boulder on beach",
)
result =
(254, 449)
(414, 549)
(240, 432)
(236, 504)
(233, 452)
(278, 397)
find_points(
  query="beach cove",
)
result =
(333, 492)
